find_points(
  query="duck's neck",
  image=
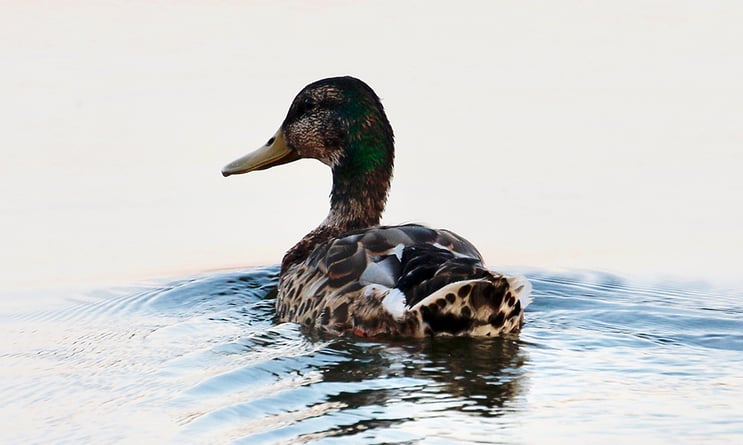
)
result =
(361, 181)
(357, 200)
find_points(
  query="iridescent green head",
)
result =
(341, 122)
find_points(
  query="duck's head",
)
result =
(341, 122)
(338, 121)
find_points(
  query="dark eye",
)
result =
(308, 104)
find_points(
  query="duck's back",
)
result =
(400, 280)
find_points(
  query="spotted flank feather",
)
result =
(351, 275)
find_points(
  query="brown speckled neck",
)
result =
(356, 203)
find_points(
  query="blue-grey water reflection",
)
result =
(199, 360)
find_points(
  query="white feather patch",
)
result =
(394, 302)
(522, 288)
(397, 250)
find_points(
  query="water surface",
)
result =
(199, 360)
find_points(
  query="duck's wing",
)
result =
(383, 255)
(408, 280)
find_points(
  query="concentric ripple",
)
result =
(200, 360)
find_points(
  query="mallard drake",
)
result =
(351, 275)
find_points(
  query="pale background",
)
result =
(598, 135)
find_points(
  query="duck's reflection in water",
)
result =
(381, 385)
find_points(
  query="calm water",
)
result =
(198, 360)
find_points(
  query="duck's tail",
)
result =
(521, 286)
(441, 293)
(485, 306)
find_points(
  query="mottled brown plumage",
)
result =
(351, 275)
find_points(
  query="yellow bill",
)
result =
(275, 152)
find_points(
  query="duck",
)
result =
(351, 275)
